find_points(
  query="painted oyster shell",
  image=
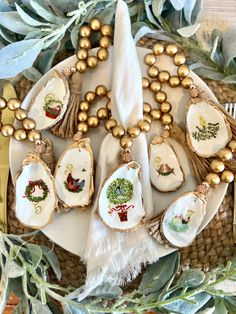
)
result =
(165, 171)
(183, 218)
(74, 175)
(208, 131)
(120, 201)
(50, 104)
(36, 198)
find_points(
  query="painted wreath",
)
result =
(30, 188)
(120, 191)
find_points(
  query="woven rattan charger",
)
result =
(213, 246)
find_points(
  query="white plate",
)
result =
(69, 230)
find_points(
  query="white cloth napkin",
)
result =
(111, 256)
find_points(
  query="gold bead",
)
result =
(133, 131)
(187, 82)
(105, 42)
(101, 90)
(7, 130)
(163, 76)
(213, 179)
(171, 50)
(93, 121)
(155, 86)
(153, 71)
(85, 31)
(160, 96)
(82, 54)
(81, 66)
(118, 131)
(109, 94)
(84, 105)
(13, 104)
(28, 124)
(111, 123)
(158, 49)
(183, 71)
(102, 54)
(155, 114)
(166, 119)
(3, 103)
(147, 117)
(20, 134)
(20, 114)
(146, 107)
(227, 176)
(82, 116)
(108, 105)
(82, 127)
(150, 59)
(232, 146)
(174, 81)
(103, 113)
(217, 166)
(90, 96)
(165, 107)
(225, 154)
(95, 24)
(126, 142)
(34, 135)
(106, 30)
(144, 125)
(85, 43)
(92, 61)
(179, 59)
(145, 82)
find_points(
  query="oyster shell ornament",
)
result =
(50, 104)
(74, 174)
(165, 171)
(36, 197)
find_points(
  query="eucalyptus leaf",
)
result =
(106, 290)
(5, 293)
(69, 308)
(188, 31)
(26, 17)
(215, 56)
(74, 35)
(46, 59)
(65, 6)
(191, 278)
(35, 251)
(13, 270)
(149, 14)
(46, 14)
(39, 307)
(4, 6)
(3, 249)
(36, 34)
(196, 10)
(229, 46)
(18, 56)
(157, 7)
(178, 4)
(13, 22)
(55, 38)
(211, 74)
(52, 260)
(8, 36)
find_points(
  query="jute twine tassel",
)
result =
(67, 126)
(44, 149)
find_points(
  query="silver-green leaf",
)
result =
(13, 270)
(106, 290)
(39, 307)
(188, 31)
(26, 17)
(13, 22)
(34, 250)
(46, 14)
(52, 260)
(157, 7)
(191, 278)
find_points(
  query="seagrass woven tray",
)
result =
(214, 245)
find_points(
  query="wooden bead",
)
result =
(81, 66)
(108, 105)
(155, 114)
(145, 82)
(82, 127)
(171, 50)
(13, 104)
(174, 81)
(150, 59)
(111, 123)
(106, 30)
(163, 76)
(153, 71)
(161, 96)
(217, 166)
(103, 113)
(3, 103)
(20, 114)
(7, 130)
(102, 54)
(144, 125)
(28, 124)
(92, 61)
(93, 121)
(82, 54)
(82, 116)
(183, 71)
(147, 117)
(165, 107)
(84, 105)
(85, 31)
(34, 135)
(227, 176)
(101, 90)
(95, 24)
(126, 142)
(118, 131)
(232, 146)
(20, 134)
(90, 96)
(166, 119)
(155, 86)
(158, 49)
(179, 59)
(105, 42)
(146, 107)
(225, 154)
(85, 43)
(133, 131)
(187, 82)
(213, 179)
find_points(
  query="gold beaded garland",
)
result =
(106, 30)
(145, 82)
(13, 104)
(163, 76)
(153, 71)
(150, 59)
(102, 54)
(183, 71)
(93, 121)
(179, 59)
(133, 131)
(103, 113)
(155, 86)
(110, 124)
(165, 107)
(20, 114)
(217, 166)
(85, 31)
(171, 50)
(28, 124)
(92, 61)
(3, 103)
(160, 96)
(82, 127)
(84, 105)
(105, 42)
(174, 81)
(227, 176)
(20, 134)
(144, 125)
(126, 142)
(95, 24)
(213, 179)
(82, 54)
(118, 131)
(81, 66)
(7, 130)
(232, 146)
(158, 49)
(225, 154)
(101, 90)
(34, 135)
(82, 116)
